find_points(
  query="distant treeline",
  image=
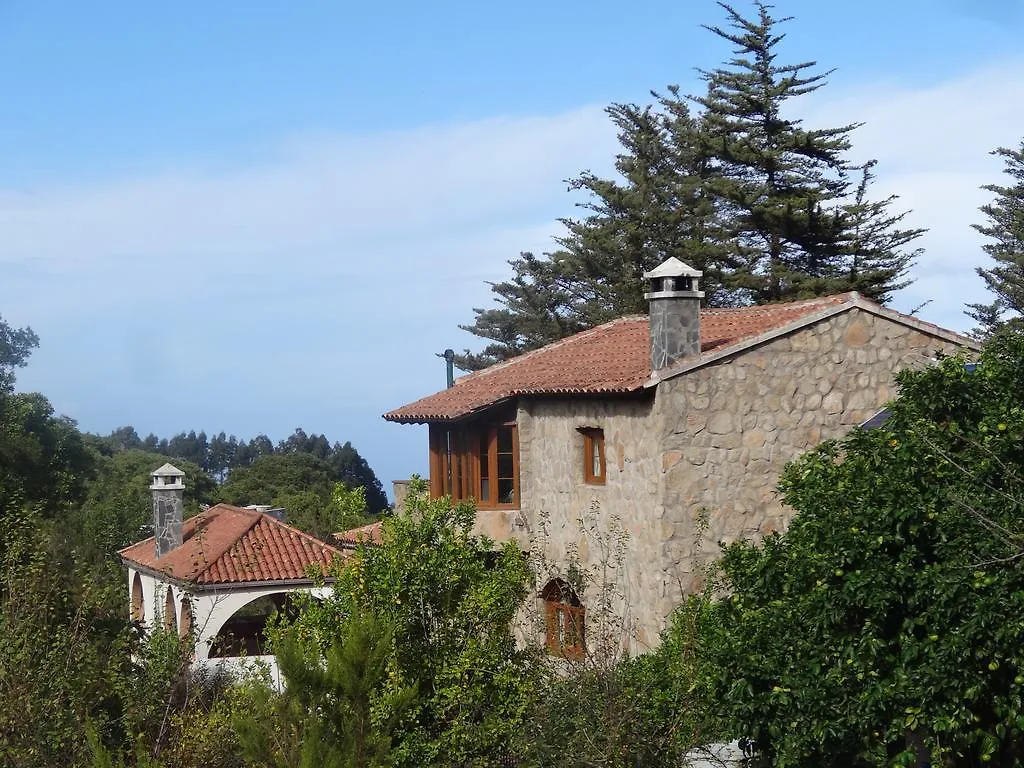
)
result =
(221, 455)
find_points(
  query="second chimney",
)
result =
(674, 312)
(168, 489)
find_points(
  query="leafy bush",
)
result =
(885, 627)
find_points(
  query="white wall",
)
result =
(211, 609)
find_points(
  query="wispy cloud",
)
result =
(933, 146)
(309, 287)
(314, 285)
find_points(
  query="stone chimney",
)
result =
(168, 489)
(674, 312)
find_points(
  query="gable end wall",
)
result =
(728, 429)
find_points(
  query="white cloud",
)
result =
(315, 195)
(314, 286)
(933, 144)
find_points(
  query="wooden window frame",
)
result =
(593, 439)
(456, 460)
(565, 621)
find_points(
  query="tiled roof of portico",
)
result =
(231, 545)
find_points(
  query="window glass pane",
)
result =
(506, 491)
(506, 467)
(483, 456)
(504, 439)
(485, 489)
(595, 459)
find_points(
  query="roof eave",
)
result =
(461, 416)
(196, 586)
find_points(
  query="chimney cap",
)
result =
(168, 476)
(672, 267)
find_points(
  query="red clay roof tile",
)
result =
(371, 534)
(613, 358)
(230, 545)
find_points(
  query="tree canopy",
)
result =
(448, 599)
(729, 181)
(884, 627)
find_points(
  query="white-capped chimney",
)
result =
(168, 489)
(674, 312)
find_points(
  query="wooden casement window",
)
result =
(564, 621)
(477, 461)
(593, 455)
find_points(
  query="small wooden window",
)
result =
(593, 456)
(564, 621)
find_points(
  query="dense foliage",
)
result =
(448, 600)
(730, 182)
(226, 459)
(79, 683)
(885, 626)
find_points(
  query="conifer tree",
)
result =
(874, 250)
(658, 206)
(784, 189)
(768, 209)
(1005, 230)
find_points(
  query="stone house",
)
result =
(661, 422)
(218, 576)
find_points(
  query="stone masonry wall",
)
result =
(713, 442)
(554, 494)
(728, 429)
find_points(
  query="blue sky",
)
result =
(254, 216)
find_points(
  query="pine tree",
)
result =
(777, 181)
(765, 207)
(1005, 230)
(873, 250)
(535, 307)
(657, 207)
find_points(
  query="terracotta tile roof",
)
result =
(614, 358)
(369, 533)
(231, 545)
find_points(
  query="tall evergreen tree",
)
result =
(1005, 230)
(784, 189)
(768, 209)
(535, 307)
(658, 206)
(874, 254)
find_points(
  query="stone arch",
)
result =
(243, 633)
(170, 617)
(564, 620)
(138, 599)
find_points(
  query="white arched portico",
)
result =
(226, 558)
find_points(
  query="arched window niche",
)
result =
(170, 618)
(564, 620)
(138, 599)
(185, 624)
